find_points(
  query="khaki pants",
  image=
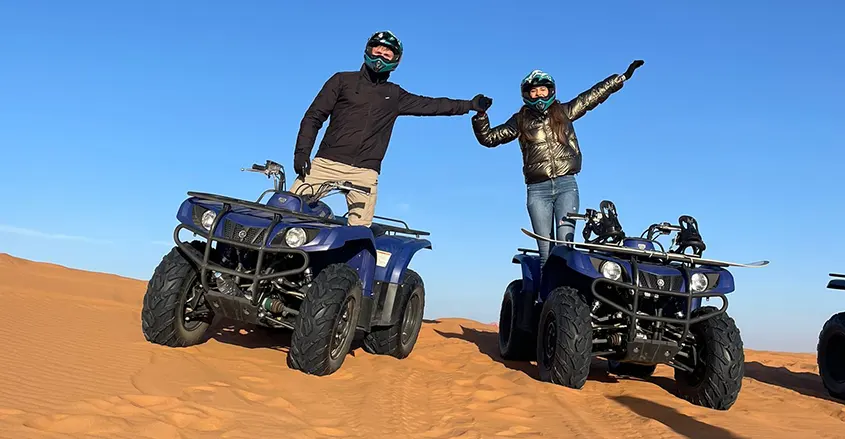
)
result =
(361, 206)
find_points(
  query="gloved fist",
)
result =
(481, 103)
(301, 165)
(634, 66)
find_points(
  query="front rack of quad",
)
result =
(611, 238)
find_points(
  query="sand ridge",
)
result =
(74, 364)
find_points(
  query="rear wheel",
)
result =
(399, 339)
(631, 369)
(565, 339)
(174, 311)
(831, 355)
(717, 377)
(515, 343)
(325, 326)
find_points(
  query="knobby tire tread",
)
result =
(311, 340)
(388, 340)
(159, 313)
(724, 360)
(836, 323)
(573, 354)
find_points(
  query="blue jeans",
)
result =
(548, 203)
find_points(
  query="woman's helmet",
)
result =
(381, 64)
(535, 79)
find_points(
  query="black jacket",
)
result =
(544, 155)
(363, 107)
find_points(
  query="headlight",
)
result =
(295, 237)
(611, 270)
(208, 219)
(698, 282)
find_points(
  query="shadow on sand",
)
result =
(679, 422)
(805, 383)
(259, 337)
(488, 344)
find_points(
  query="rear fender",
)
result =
(530, 266)
(394, 254)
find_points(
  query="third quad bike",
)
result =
(621, 299)
(831, 347)
(288, 263)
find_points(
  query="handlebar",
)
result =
(576, 216)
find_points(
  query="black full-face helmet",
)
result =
(380, 64)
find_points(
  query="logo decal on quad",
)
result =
(242, 234)
(641, 246)
(660, 283)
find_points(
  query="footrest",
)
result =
(651, 351)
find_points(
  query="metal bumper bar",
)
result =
(634, 313)
(206, 265)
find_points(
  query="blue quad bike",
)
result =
(288, 263)
(831, 347)
(621, 299)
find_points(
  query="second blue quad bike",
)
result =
(830, 353)
(288, 263)
(629, 301)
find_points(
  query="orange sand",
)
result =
(74, 364)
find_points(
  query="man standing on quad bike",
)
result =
(363, 107)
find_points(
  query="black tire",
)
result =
(163, 312)
(324, 329)
(515, 343)
(398, 340)
(831, 355)
(565, 339)
(641, 371)
(717, 379)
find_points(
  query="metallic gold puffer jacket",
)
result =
(544, 156)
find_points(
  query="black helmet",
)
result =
(381, 64)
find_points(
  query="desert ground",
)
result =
(74, 364)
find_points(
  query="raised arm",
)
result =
(598, 93)
(591, 98)
(498, 135)
(415, 105)
(315, 116)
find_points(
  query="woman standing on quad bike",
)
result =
(550, 153)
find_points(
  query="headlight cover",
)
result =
(611, 270)
(698, 282)
(295, 237)
(208, 219)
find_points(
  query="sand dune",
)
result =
(74, 364)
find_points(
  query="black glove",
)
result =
(634, 66)
(302, 165)
(481, 103)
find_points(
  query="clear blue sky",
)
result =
(111, 111)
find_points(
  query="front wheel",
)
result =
(717, 376)
(565, 339)
(325, 326)
(399, 339)
(174, 311)
(831, 355)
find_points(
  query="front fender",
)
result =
(337, 236)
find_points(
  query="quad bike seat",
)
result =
(377, 230)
